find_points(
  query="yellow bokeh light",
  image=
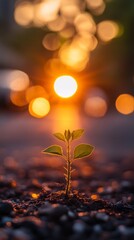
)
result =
(24, 13)
(74, 56)
(95, 106)
(85, 23)
(107, 30)
(46, 11)
(125, 104)
(70, 11)
(87, 42)
(65, 86)
(39, 107)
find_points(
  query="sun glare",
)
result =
(65, 86)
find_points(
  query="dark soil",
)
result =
(33, 205)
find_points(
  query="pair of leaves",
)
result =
(80, 151)
(68, 135)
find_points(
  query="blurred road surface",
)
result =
(20, 134)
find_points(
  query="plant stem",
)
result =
(68, 171)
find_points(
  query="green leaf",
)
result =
(54, 150)
(77, 133)
(67, 134)
(83, 150)
(60, 136)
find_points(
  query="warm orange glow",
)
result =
(39, 107)
(87, 42)
(107, 30)
(100, 190)
(66, 117)
(24, 13)
(65, 86)
(70, 11)
(96, 106)
(54, 67)
(96, 6)
(46, 11)
(19, 80)
(67, 32)
(125, 104)
(35, 92)
(34, 195)
(51, 41)
(74, 57)
(57, 24)
(94, 3)
(18, 98)
(94, 197)
(85, 23)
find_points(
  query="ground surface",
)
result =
(32, 204)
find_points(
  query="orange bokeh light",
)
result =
(74, 56)
(94, 3)
(125, 104)
(24, 13)
(35, 91)
(107, 30)
(18, 98)
(46, 11)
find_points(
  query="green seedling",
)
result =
(80, 151)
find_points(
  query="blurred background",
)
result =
(66, 64)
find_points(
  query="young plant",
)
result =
(80, 151)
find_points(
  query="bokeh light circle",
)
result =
(125, 103)
(95, 106)
(65, 86)
(19, 80)
(39, 107)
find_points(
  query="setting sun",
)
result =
(65, 86)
